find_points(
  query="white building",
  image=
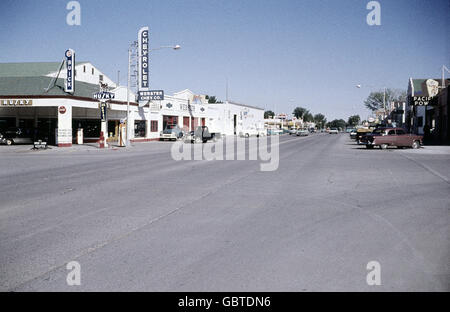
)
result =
(55, 115)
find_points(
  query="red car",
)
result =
(384, 137)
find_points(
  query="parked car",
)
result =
(360, 133)
(274, 132)
(249, 132)
(302, 133)
(16, 136)
(333, 131)
(172, 132)
(202, 135)
(384, 137)
(293, 131)
(262, 132)
(353, 134)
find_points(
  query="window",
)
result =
(100, 78)
(401, 132)
(84, 68)
(92, 70)
(391, 132)
(154, 126)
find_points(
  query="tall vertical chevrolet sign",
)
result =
(70, 71)
(143, 47)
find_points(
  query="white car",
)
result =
(249, 132)
(333, 131)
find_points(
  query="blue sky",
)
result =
(275, 54)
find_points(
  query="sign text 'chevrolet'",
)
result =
(152, 95)
(104, 95)
(143, 48)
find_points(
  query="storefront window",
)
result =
(91, 127)
(139, 128)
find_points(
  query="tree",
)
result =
(375, 100)
(320, 120)
(308, 117)
(299, 112)
(337, 123)
(268, 114)
(211, 99)
(353, 120)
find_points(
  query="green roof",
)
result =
(31, 69)
(16, 86)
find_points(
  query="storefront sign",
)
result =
(103, 108)
(70, 64)
(421, 100)
(152, 95)
(104, 95)
(143, 47)
(15, 102)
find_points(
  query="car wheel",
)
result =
(383, 146)
(415, 145)
(198, 140)
(247, 135)
(9, 142)
(369, 146)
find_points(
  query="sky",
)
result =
(275, 54)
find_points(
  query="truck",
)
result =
(202, 135)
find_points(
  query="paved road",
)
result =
(138, 220)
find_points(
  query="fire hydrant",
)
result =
(101, 141)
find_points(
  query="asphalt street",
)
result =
(137, 220)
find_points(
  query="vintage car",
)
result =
(16, 136)
(171, 132)
(385, 137)
(360, 133)
(302, 133)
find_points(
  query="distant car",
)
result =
(353, 134)
(384, 137)
(302, 133)
(16, 136)
(333, 131)
(172, 132)
(292, 131)
(350, 130)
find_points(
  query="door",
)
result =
(402, 138)
(185, 123)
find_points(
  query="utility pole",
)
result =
(128, 98)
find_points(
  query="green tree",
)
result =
(337, 123)
(375, 100)
(299, 112)
(268, 114)
(308, 117)
(320, 120)
(353, 120)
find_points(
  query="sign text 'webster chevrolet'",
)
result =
(152, 95)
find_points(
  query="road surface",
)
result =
(137, 220)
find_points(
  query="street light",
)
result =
(134, 46)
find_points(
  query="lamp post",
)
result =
(130, 50)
